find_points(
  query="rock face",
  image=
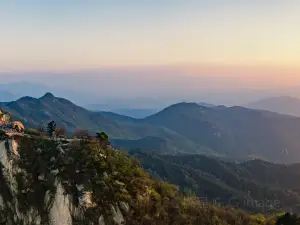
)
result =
(59, 207)
(60, 210)
(10, 212)
(4, 118)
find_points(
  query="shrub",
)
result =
(82, 134)
(32, 131)
(60, 132)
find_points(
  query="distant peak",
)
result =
(186, 104)
(183, 105)
(285, 97)
(48, 95)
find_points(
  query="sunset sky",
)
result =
(161, 47)
(61, 34)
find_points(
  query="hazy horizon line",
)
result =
(202, 65)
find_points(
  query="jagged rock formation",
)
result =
(28, 198)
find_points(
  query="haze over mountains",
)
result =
(155, 87)
(6, 96)
(18, 89)
(233, 132)
(131, 105)
(283, 104)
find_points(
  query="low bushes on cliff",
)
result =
(112, 177)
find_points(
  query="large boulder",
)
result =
(17, 125)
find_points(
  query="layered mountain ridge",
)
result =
(233, 132)
(282, 104)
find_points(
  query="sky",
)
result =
(256, 41)
(61, 34)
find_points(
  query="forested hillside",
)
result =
(236, 132)
(255, 185)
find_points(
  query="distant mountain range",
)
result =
(206, 150)
(123, 130)
(23, 88)
(133, 112)
(206, 104)
(283, 104)
(235, 131)
(137, 107)
(6, 96)
(19, 89)
(230, 132)
(137, 113)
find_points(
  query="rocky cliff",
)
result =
(82, 182)
(38, 185)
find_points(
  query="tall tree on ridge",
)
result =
(51, 127)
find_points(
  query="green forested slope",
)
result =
(256, 185)
(111, 176)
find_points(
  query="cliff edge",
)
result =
(47, 181)
(44, 182)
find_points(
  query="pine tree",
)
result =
(103, 139)
(51, 128)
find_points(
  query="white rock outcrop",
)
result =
(61, 209)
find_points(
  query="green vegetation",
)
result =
(112, 176)
(288, 219)
(255, 186)
(51, 127)
(32, 131)
(209, 191)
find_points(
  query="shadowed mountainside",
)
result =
(255, 185)
(35, 112)
(233, 132)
